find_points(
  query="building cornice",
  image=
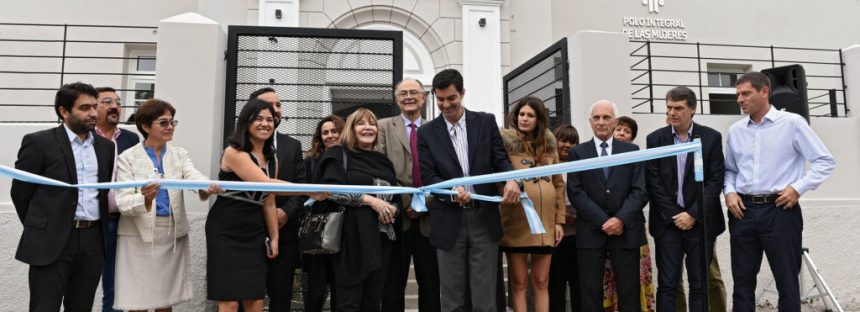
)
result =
(493, 3)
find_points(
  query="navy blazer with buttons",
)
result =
(598, 198)
(438, 162)
(661, 177)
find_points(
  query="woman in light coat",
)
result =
(529, 144)
(152, 261)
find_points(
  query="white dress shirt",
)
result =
(767, 157)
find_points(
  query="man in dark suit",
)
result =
(107, 118)
(465, 233)
(291, 167)
(674, 213)
(398, 139)
(63, 239)
(609, 204)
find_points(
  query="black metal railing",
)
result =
(544, 76)
(657, 67)
(36, 59)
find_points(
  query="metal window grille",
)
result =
(316, 73)
(36, 59)
(545, 76)
(656, 67)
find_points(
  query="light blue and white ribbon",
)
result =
(418, 194)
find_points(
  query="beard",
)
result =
(79, 126)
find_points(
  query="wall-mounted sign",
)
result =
(654, 28)
(654, 5)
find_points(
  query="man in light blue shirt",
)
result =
(63, 239)
(765, 157)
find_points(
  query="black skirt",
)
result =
(541, 250)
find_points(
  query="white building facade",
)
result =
(485, 39)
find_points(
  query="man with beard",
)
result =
(63, 239)
(108, 112)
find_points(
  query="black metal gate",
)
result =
(317, 72)
(544, 76)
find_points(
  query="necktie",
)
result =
(413, 147)
(603, 152)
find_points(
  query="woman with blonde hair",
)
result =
(361, 264)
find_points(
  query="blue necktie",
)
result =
(603, 152)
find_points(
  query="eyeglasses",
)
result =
(165, 122)
(410, 93)
(110, 101)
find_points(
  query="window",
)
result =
(140, 81)
(722, 80)
(724, 104)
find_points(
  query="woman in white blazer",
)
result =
(152, 261)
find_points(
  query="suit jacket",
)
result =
(135, 164)
(125, 140)
(291, 168)
(661, 176)
(438, 162)
(597, 199)
(47, 212)
(394, 143)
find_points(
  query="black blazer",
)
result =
(438, 162)
(47, 212)
(661, 176)
(291, 168)
(597, 199)
(125, 140)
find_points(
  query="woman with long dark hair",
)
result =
(320, 268)
(529, 144)
(242, 226)
(564, 271)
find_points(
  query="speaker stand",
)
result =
(806, 292)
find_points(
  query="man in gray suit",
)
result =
(398, 139)
(465, 232)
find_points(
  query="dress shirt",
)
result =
(417, 123)
(682, 162)
(162, 200)
(460, 139)
(112, 192)
(767, 157)
(608, 148)
(87, 169)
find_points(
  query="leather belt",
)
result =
(85, 224)
(760, 199)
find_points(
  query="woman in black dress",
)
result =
(239, 221)
(361, 265)
(320, 268)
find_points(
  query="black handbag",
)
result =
(320, 233)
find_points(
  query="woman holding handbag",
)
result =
(320, 267)
(367, 233)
